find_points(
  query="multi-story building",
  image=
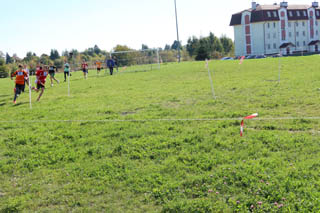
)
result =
(271, 29)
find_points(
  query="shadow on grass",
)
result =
(2, 96)
(20, 103)
(2, 104)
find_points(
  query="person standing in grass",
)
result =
(41, 75)
(66, 70)
(110, 64)
(52, 73)
(84, 66)
(98, 64)
(21, 77)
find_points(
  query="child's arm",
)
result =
(13, 75)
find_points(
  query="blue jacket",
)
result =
(110, 63)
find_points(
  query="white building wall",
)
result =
(317, 28)
(302, 35)
(257, 38)
(272, 37)
(240, 42)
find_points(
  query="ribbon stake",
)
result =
(246, 118)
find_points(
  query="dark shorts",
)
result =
(52, 74)
(85, 70)
(20, 87)
(99, 69)
(40, 86)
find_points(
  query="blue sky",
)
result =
(42, 25)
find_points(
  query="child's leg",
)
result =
(42, 90)
(16, 94)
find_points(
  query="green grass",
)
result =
(166, 166)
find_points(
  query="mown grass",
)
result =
(166, 166)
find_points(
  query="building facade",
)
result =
(271, 29)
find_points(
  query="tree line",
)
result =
(210, 47)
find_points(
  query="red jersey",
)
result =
(41, 76)
(84, 66)
(20, 76)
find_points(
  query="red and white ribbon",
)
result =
(246, 118)
(207, 63)
(242, 59)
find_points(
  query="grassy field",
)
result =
(104, 149)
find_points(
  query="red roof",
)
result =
(266, 13)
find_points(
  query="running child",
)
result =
(41, 75)
(84, 66)
(21, 76)
(52, 73)
(98, 64)
(66, 70)
(110, 64)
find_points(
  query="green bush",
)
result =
(3, 69)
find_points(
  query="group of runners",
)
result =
(43, 71)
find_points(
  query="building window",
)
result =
(268, 25)
(269, 14)
(304, 33)
(274, 35)
(304, 43)
(275, 14)
(303, 24)
(274, 46)
(274, 24)
(297, 34)
(318, 13)
(290, 34)
(298, 44)
(290, 13)
(304, 13)
(297, 24)
(316, 23)
(298, 13)
(317, 33)
(289, 24)
(269, 46)
(268, 35)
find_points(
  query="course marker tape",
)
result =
(246, 118)
(241, 60)
(156, 120)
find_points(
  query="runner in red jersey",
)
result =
(41, 75)
(84, 66)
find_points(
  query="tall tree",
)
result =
(176, 44)
(144, 47)
(96, 49)
(193, 45)
(167, 47)
(2, 56)
(54, 54)
(203, 52)
(8, 59)
(227, 44)
(75, 52)
(65, 53)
